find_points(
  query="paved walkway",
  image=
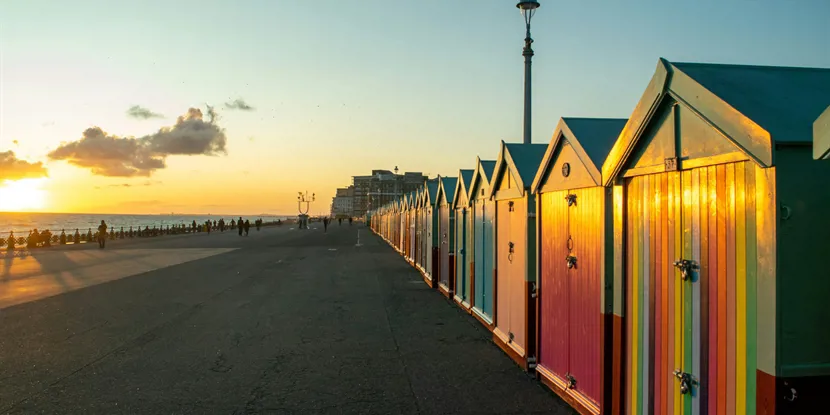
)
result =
(284, 321)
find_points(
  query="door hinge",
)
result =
(686, 268)
(571, 198)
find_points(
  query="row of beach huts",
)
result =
(676, 262)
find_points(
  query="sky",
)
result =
(306, 95)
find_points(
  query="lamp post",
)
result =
(528, 9)
(303, 198)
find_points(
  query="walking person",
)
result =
(102, 235)
(240, 225)
(325, 225)
(247, 226)
(207, 227)
(340, 221)
(350, 221)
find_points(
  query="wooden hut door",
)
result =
(584, 253)
(663, 293)
(570, 338)
(444, 230)
(461, 258)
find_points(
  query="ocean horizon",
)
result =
(55, 222)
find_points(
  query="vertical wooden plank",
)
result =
(637, 349)
(730, 289)
(660, 368)
(665, 277)
(740, 288)
(630, 326)
(695, 285)
(651, 260)
(619, 351)
(671, 279)
(751, 310)
(686, 291)
(712, 384)
(645, 326)
(678, 287)
(722, 287)
(629, 303)
(765, 227)
(703, 305)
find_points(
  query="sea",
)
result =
(55, 222)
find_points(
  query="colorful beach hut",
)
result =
(446, 235)
(515, 239)
(574, 219)
(482, 215)
(401, 223)
(411, 214)
(720, 257)
(429, 236)
(419, 237)
(821, 136)
(463, 240)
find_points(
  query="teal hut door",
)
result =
(463, 283)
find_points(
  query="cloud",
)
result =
(137, 111)
(106, 154)
(238, 104)
(147, 183)
(12, 168)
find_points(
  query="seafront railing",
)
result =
(46, 238)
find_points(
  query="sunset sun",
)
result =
(22, 195)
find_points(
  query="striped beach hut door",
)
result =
(691, 292)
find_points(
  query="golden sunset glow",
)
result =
(22, 195)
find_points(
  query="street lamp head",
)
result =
(528, 8)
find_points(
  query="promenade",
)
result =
(283, 321)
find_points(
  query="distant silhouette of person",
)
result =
(33, 238)
(325, 225)
(194, 225)
(222, 225)
(241, 225)
(102, 235)
(350, 221)
(247, 226)
(340, 221)
(207, 227)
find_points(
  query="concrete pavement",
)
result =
(283, 321)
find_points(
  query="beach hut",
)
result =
(721, 242)
(446, 235)
(410, 232)
(574, 218)
(482, 216)
(401, 223)
(821, 136)
(419, 229)
(515, 243)
(463, 240)
(430, 224)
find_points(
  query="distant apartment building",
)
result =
(343, 202)
(382, 187)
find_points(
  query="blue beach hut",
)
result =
(463, 239)
(482, 210)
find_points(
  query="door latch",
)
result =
(685, 266)
(571, 260)
(571, 198)
(571, 381)
(510, 337)
(686, 381)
